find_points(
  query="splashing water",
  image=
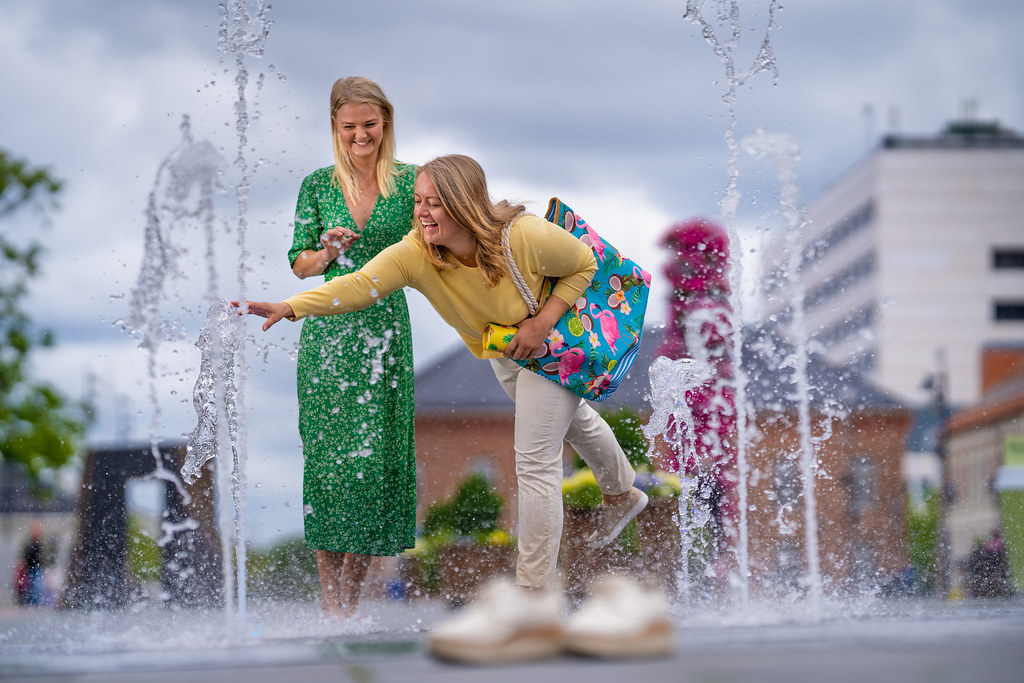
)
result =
(241, 35)
(215, 388)
(727, 15)
(183, 194)
(784, 151)
(673, 419)
(214, 397)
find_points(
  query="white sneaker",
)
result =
(504, 624)
(612, 519)
(621, 620)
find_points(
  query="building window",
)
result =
(1007, 257)
(786, 479)
(780, 277)
(862, 486)
(1008, 310)
(789, 563)
(862, 563)
(838, 283)
(862, 318)
(847, 226)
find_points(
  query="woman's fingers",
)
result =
(339, 238)
(273, 312)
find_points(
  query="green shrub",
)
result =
(580, 491)
(144, 555)
(285, 571)
(629, 432)
(923, 538)
(472, 513)
(475, 507)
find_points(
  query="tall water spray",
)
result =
(727, 15)
(184, 193)
(783, 151)
(673, 419)
(241, 35)
(182, 198)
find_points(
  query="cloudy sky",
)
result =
(617, 108)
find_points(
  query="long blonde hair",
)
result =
(363, 90)
(462, 189)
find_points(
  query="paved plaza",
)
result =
(903, 640)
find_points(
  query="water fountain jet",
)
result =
(728, 14)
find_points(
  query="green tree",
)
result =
(923, 537)
(39, 428)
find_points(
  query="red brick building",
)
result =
(464, 423)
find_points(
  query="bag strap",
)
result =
(517, 277)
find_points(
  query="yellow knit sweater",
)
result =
(541, 249)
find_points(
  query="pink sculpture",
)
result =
(698, 271)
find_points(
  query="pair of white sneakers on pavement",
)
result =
(621, 620)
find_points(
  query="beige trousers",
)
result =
(546, 415)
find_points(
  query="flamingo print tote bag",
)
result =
(593, 345)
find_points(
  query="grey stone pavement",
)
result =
(897, 640)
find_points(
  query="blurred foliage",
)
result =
(474, 508)
(580, 490)
(144, 555)
(701, 555)
(658, 484)
(923, 538)
(628, 430)
(22, 185)
(285, 571)
(469, 516)
(40, 429)
(629, 540)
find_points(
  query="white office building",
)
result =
(912, 261)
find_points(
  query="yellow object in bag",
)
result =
(497, 337)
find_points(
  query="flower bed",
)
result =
(648, 548)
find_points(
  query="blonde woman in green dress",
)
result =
(355, 371)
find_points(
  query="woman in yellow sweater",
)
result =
(454, 256)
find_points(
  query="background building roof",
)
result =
(460, 382)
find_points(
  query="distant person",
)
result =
(355, 371)
(454, 256)
(30, 574)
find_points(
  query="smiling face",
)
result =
(360, 127)
(437, 227)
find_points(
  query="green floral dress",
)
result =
(355, 386)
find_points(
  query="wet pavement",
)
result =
(905, 640)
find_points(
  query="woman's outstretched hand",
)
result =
(273, 312)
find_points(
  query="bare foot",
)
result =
(339, 614)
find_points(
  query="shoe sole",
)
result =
(656, 641)
(540, 643)
(626, 519)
